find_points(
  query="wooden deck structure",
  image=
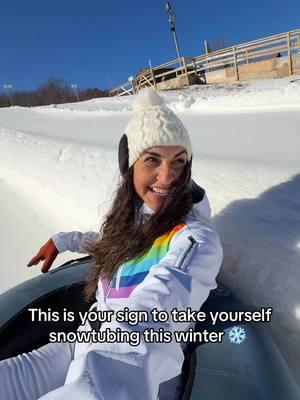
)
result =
(271, 57)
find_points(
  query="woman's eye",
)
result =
(179, 162)
(151, 160)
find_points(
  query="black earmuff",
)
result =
(123, 155)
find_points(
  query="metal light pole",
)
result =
(172, 20)
(74, 87)
(8, 87)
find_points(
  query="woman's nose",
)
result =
(165, 175)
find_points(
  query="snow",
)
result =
(58, 171)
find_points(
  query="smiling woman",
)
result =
(156, 249)
(157, 172)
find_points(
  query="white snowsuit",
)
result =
(182, 278)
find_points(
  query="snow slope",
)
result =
(58, 170)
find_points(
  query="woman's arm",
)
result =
(72, 241)
(182, 279)
(60, 242)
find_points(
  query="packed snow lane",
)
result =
(264, 136)
(25, 226)
(252, 135)
(82, 127)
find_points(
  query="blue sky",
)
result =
(84, 42)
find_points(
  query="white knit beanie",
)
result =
(154, 124)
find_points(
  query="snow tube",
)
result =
(250, 370)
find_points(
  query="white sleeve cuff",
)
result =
(72, 241)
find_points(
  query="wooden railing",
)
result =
(281, 45)
(151, 76)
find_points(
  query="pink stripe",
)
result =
(121, 292)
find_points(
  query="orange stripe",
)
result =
(166, 237)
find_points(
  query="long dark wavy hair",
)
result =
(123, 236)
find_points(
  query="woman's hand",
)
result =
(48, 253)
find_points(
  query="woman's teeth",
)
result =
(160, 192)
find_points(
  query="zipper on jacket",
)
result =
(188, 252)
(118, 277)
(108, 289)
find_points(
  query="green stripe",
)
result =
(156, 252)
(133, 269)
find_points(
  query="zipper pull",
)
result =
(118, 277)
(108, 289)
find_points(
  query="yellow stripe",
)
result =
(166, 237)
(159, 248)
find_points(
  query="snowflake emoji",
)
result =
(237, 335)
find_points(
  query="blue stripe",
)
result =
(144, 265)
(131, 280)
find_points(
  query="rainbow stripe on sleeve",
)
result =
(135, 270)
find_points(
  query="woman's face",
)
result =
(156, 172)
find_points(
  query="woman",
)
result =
(156, 250)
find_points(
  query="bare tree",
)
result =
(54, 91)
(218, 44)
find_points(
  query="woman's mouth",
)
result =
(159, 191)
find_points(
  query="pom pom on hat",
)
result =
(146, 98)
(154, 124)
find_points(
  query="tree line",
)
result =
(54, 91)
